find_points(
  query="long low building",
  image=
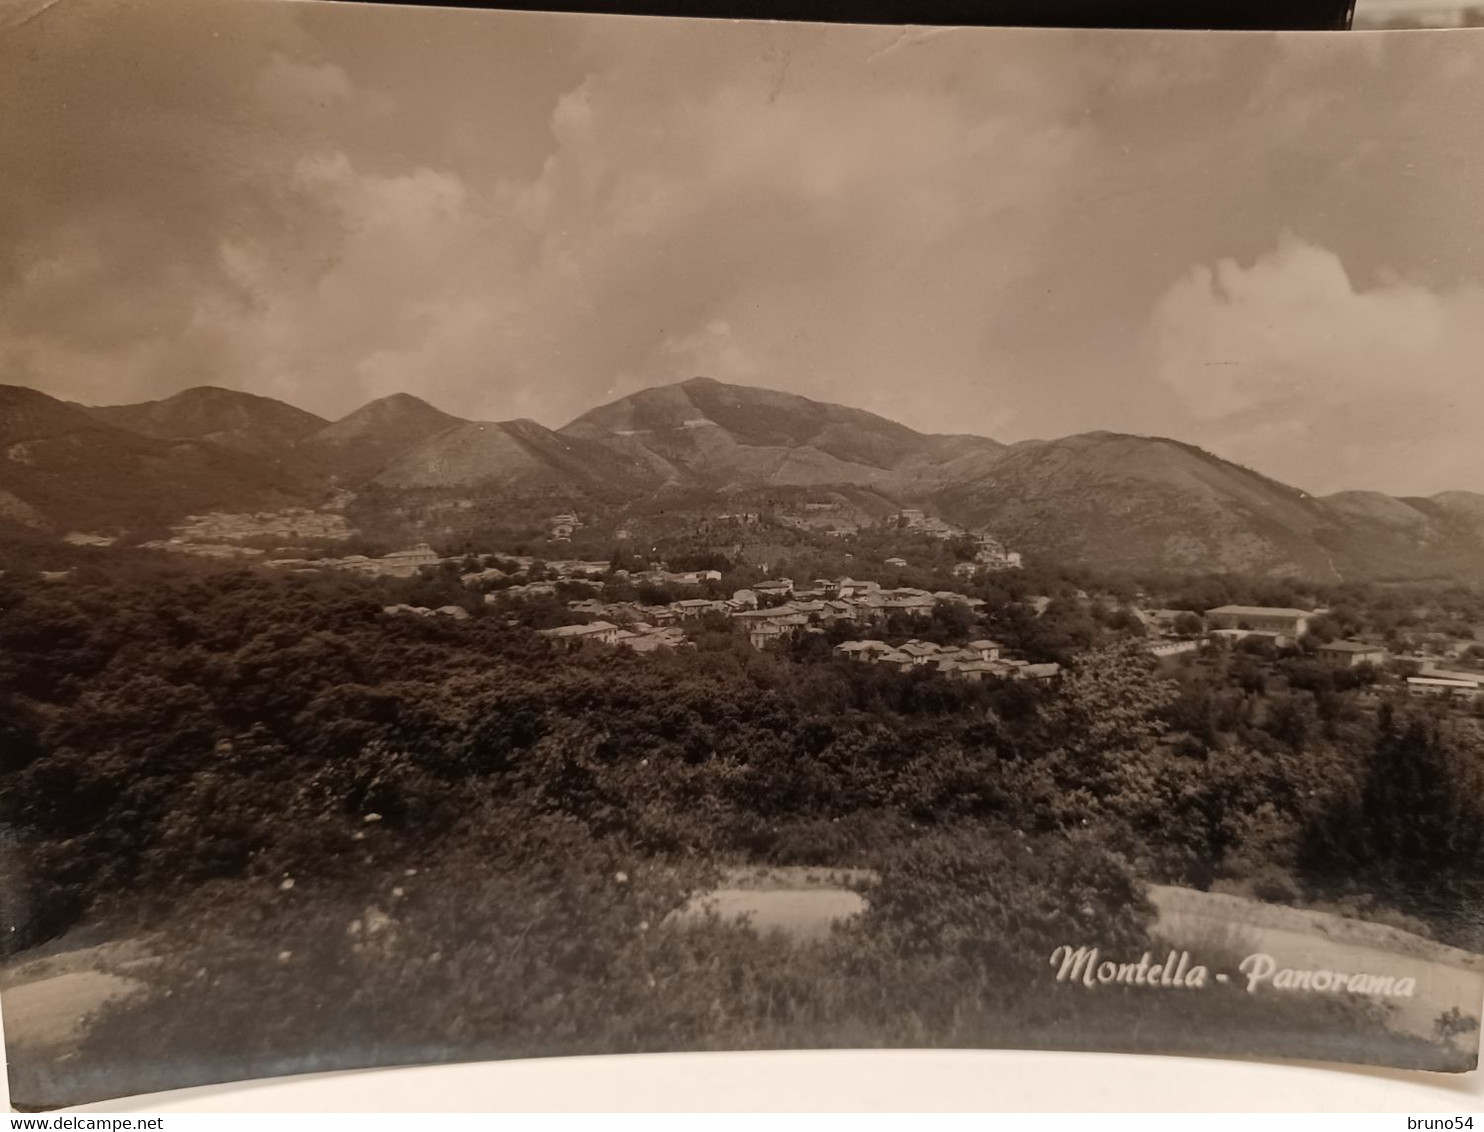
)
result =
(1263, 618)
(1442, 687)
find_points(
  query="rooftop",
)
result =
(1260, 611)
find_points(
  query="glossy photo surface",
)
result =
(530, 534)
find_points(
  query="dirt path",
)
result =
(44, 1003)
(1222, 930)
(1218, 930)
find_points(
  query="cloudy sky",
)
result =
(1270, 246)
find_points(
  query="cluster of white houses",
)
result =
(989, 552)
(457, 612)
(398, 564)
(641, 636)
(770, 611)
(972, 661)
(776, 609)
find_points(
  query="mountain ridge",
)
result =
(63, 469)
(1105, 498)
(733, 436)
(247, 422)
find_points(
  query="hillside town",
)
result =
(525, 537)
(776, 611)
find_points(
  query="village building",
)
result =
(1040, 672)
(866, 652)
(644, 638)
(976, 670)
(691, 577)
(604, 632)
(777, 587)
(972, 662)
(984, 649)
(959, 599)
(991, 554)
(457, 612)
(477, 578)
(1444, 687)
(1173, 646)
(765, 633)
(921, 652)
(527, 589)
(782, 626)
(1277, 640)
(576, 568)
(691, 608)
(1350, 654)
(405, 563)
(778, 614)
(837, 611)
(1261, 618)
(911, 604)
(1432, 671)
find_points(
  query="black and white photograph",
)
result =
(533, 534)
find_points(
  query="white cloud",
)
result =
(376, 309)
(1379, 376)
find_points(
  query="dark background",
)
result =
(1313, 15)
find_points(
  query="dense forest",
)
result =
(301, 787)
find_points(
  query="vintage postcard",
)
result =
(531, 534)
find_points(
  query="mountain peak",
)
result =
(73, 468)
(213, 393)
(364, 442)
(206, 395)
(398, 402)
(393, 410)
(708, 432)
(246, 422)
